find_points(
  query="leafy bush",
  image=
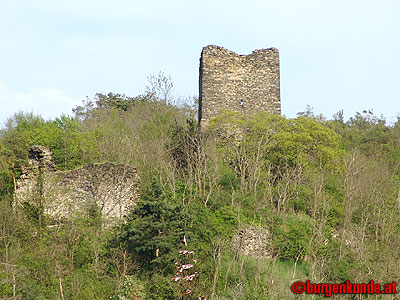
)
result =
(153, 229)
(291, 237)
(131, 289)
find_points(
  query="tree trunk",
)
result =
(14, 286)
(61, 288)
(14, 178)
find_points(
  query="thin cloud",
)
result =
(49, 103)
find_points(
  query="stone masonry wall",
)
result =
(254, 242)
(113, 188)
(242, 83)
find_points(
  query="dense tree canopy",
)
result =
(327, 191)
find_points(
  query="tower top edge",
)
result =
(214, 49)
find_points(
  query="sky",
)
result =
(334, 55)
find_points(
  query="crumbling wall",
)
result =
(254, 242)
(113, 188)
(242, 83)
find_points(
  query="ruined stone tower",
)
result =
(242, 83)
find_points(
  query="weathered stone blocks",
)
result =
(242, 83)
(113, 188)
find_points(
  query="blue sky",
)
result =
(342, 54)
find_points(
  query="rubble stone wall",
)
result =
(253, 241)
(242, 83)
(113, 188)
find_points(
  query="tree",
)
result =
(13, 157)
(160, 88)
(153, 230)
(74, 145)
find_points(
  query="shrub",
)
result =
(291, 237)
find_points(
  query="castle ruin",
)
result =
(112, 188)
(241, 83)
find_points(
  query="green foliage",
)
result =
(34, 213)
(259, 278)
(183, 144)
(223, 222)
(87, 284)
(112, 100)
(300, 203)
(6, 185)
(281, 141)
(6, 290)
(230, 181)
(132, 288)
(335, 214)
(27, 130)
(340, 269)
(73, 146)
(160, 288)
(209, 225)
(326, 190)
(291, 237)
(154, 229)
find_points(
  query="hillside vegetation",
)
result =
(327, 191)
